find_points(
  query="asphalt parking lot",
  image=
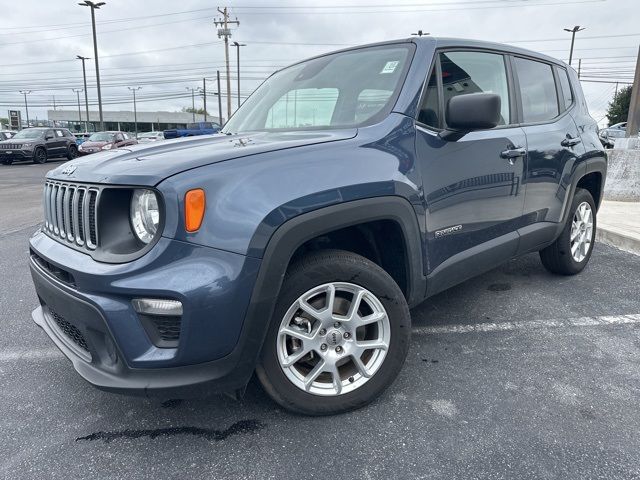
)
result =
(514, 374)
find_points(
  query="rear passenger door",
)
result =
(553, 140)
(472, 186)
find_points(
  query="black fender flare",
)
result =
(295, 232)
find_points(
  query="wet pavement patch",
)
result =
(499, 287)
(243, 426)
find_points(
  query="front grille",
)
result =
(71, 331)
(71, 213)
(10, 146)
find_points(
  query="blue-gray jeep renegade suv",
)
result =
(346, 189)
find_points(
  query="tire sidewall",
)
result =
(35, 155)
(72, 152)
(317, 271)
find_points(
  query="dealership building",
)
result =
(124, 120)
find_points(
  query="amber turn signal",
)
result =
(194, 205)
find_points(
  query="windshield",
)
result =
(101, 137)
(344, 89)
(28, 134)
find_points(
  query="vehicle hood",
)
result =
(149, 164)
(88, 144)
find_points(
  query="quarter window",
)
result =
(429, 109)
(475, 72)
(537, 90)
(566, 87)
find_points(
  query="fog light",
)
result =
(157, 306)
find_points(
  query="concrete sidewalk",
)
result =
(619, 225)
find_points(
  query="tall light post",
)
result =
(238, 45)
(86, 96)
(135, 110)
(203, 91)
(26, 105)
(93, 7)
(193, 102)
(573, 32)
(77, 92)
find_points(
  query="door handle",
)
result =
(514, 152)
(570, 141)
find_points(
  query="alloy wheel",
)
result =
(581, 232)
(333, 339)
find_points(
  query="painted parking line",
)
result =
(20, 354)
(530, 324)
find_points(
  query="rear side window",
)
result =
(475, 72)
(537, 90)
(566, 87)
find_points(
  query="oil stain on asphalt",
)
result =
(499, 287)
(243, 426)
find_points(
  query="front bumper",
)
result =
(16, 155)
(85, 308)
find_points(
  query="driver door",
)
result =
(472, 185)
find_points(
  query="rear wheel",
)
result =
(72, 152)
(7, 162)
(339, 336)
(571, 252)
(40, 155)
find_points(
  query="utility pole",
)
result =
(135, 110)
(86, 97)
(204, 97)
(579, 67)
(633, 120)
(26, 105)
(219, 98)
(77, 92)
(54, 109)
(93, 7)
(573, 32)
(193, 102)
(238, 45)
(225, 31)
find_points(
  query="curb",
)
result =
(618, 239)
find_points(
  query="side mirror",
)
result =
(474, 111)
(48, 136)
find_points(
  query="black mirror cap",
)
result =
(474, 111)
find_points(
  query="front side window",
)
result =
(340, 90)
(475, 72)
(537, 90)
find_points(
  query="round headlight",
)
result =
(145, 214)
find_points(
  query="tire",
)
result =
(40, 155)
(357, 384)
(559, 257)
(72, 152)
(7, 162)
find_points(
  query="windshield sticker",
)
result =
(390, 67)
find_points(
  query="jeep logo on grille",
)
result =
(68, 170)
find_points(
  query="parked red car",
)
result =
(105, 141)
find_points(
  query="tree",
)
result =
(197, 111)
(4, 121)
(619, 106)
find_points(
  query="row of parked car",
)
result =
(42, 143)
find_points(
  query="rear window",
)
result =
(537, 90)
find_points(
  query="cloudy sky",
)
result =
(167, 47)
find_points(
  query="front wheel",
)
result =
(40, 156)
(339, 336)
(571, 252)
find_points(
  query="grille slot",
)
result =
(71, 213)
(163, 331)
(71, 331)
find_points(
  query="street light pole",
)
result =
(135, 110)
(573, 32)
(93, 7)
(219, 98)
(238, 45)
(193, 102)
(86, 96)
(77, 91)
(203, 90)
(26, 105)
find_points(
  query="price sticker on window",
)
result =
(390, 67)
